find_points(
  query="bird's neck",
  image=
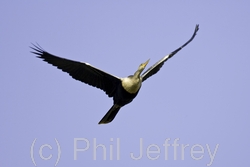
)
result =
(137, 74)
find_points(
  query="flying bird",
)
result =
(122, 90)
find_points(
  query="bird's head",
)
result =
(140, 69)
(143, 65)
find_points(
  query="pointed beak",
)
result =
(144, 64)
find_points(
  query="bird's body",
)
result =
(123, 90)
(131, 84)
(122, 95)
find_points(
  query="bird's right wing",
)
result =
(83, 72)
(157, 66)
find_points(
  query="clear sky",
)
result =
(193, 112)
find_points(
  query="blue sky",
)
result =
(193, 112)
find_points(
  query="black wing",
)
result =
(156, 67)
(83, 72)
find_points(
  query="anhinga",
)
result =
(123, 90)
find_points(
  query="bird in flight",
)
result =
(122, 90)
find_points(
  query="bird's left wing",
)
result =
(157, 66)
(83, 72)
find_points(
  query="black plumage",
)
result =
(123, 90)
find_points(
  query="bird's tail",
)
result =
(110, 115)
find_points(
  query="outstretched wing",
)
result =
(157, 66)
(83, 72)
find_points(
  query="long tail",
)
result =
(110, 115)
